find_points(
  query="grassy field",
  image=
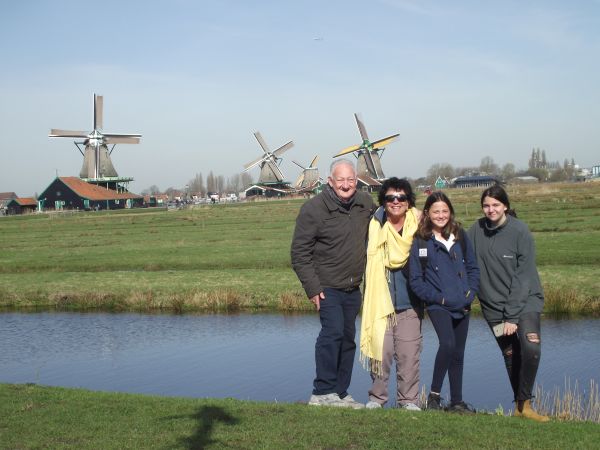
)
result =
(236, 256)
(44, 417)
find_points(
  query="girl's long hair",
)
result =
(425, 230)
(497, 192)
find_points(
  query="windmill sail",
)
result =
(96, 156)
(367, 153)
(269, 162)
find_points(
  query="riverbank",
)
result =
(236, 256)
(46, 417)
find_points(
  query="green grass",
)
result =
(236, 256)
(34, 417)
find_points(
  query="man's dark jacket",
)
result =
(329, 244)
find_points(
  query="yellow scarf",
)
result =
(387, 250)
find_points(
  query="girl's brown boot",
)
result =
(524, 409)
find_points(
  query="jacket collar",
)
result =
(333, 202)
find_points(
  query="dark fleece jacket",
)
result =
(329, 243)
(509, 281)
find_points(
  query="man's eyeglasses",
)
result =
(400, 197)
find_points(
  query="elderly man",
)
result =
(328, 255)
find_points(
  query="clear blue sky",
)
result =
(458, 80)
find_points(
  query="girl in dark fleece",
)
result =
(511, 294)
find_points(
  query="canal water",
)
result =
(265, 357)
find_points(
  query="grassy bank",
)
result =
(44, 417)
(236, 256)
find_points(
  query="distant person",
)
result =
(444, 274)
(392, 314)
(511, 294)
(328, 255)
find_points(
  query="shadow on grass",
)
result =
(207, 417)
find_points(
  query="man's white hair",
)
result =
(339, 162)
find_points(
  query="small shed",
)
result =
(21, 205)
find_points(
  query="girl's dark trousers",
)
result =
(452, 337)
(521, 352)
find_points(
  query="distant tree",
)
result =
(152, 190)
(488, 166)
(234, 183)
(508, 171)
(443, 170)
(171, 192)
(465, 171)
(247, 180)
(211, 182)
(540, 174)
(220, 183)
(544, 161)
(558, 174)
(196, 185)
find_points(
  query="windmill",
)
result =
(269, 162)
(97, 165)
(368, 153)
(309, 177)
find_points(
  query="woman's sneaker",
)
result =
(351, 403)
(409, 407)
(434, 402)
(461, 408)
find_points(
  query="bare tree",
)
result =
(247, 180)
(488, 166)
(220, 183)
(443, 170)
(196, 185)
(211, 182)
(508, 171)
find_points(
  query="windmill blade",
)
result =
(385, 141)
(284, 148)
(299, 165)
(68, 133)
(121, 135)
(253, 163)
(299, 181)
(361, 128)
(98, 111)
(121, 140)
(275, 169)
(314, 161)
(262, 142)
(347, 150)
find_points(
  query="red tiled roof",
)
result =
(26, 201)
(7, 195)
(93, 192)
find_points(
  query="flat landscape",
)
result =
(236, 256)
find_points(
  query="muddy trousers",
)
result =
(521, 352)
(452, 337)
(402, 342)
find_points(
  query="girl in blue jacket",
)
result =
(444, 274)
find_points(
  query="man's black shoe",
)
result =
(461, 408)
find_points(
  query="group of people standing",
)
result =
(412, 261)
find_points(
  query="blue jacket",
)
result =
(402, 295)
(450, 280)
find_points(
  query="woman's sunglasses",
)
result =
(399, 197)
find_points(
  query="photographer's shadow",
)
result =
(207, 417)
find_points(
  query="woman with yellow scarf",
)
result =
(391, 314)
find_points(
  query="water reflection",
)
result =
(249, 356)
